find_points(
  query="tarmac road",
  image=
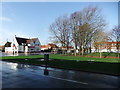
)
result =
(16, 75)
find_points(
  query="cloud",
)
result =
(5, 19)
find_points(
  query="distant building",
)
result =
(49, 46)
(105, 47)
(1, 48)
(7, 44)
(53, 48)
(68, 49)
(44, 47)
(24, 45)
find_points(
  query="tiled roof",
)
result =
(1, 46)
(107, 42)
(67, 47)
(28, 41)
(44, 46)
(53, 45)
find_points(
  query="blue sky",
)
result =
(32, 19)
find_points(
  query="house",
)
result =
(106, 47)
(20, 44)
(67, 49)
(44, 47)
(50, 47)
(53, 47)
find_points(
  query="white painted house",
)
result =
(24, 45)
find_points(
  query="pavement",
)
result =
(16, 75)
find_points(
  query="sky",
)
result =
(32, 19)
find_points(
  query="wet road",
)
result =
(16, 75)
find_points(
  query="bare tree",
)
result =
(99, 40)
(60, 31)
(95, 22)
(78, 29)
(75, 21)
(116, 33)
(85, 24)
(116, 37)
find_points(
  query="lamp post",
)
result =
(46, 59)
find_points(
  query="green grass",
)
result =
(112, 60)
(100, 65)
(105, 54)
(59, 57)
(108, 68)
(23, 57)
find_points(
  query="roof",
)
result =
(7, 44)
(67, 47)
(34, 39)
(53, 45)
(107, 42)
(25, 40)
(44, 46)
(28, 41)
(1, 46)
(21, 40)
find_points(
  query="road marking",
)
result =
(62, 79)
(66, 80)
(69, 80)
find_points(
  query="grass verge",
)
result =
(78, 58)
(99, 65)
(104, 54)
